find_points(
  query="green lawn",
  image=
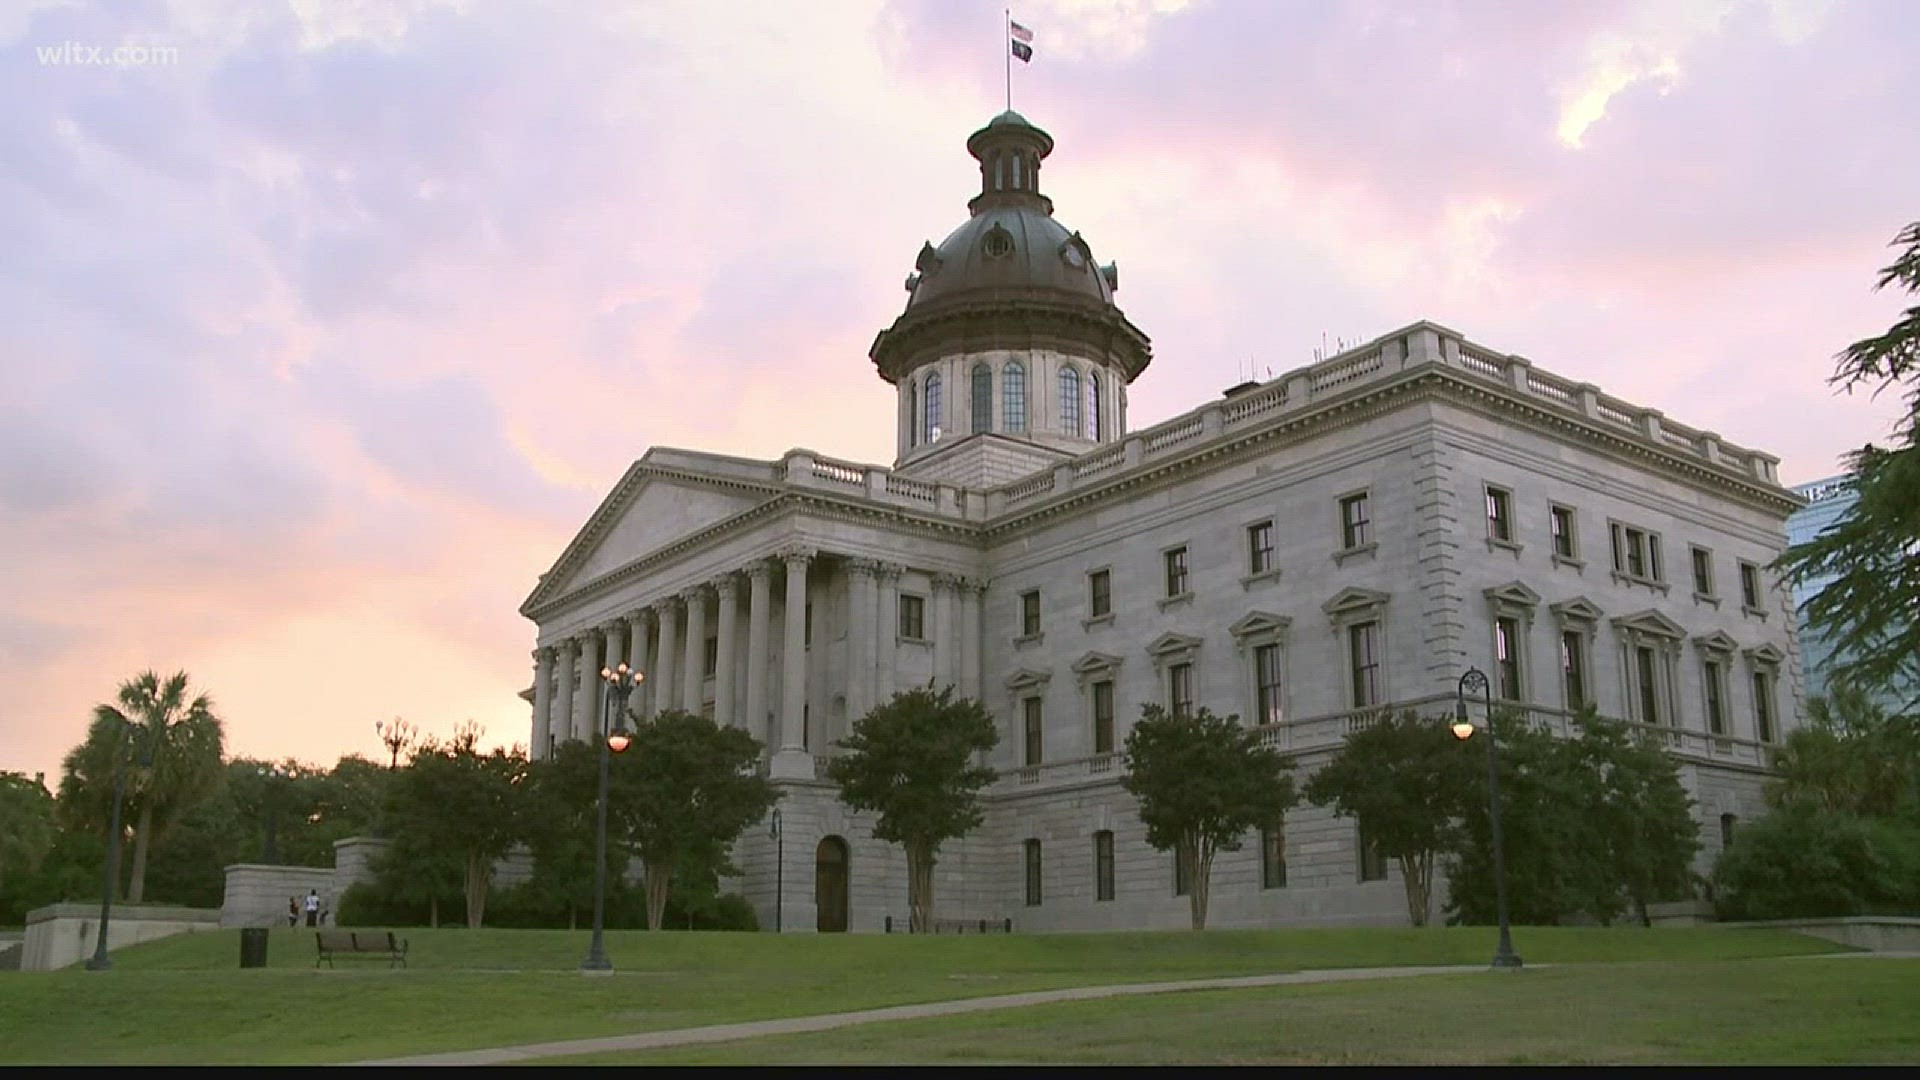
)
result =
(184, 999)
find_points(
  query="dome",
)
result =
(1010, 252)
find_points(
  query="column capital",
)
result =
(973, 586)
(564, 647)
(727, 585)
(617, 623)
(543, 654)
(760, 570)
(664, 606)
(638, 616)
(888, 571)
(863, 567)
(694, 594)
(945, 582)
(800, 555)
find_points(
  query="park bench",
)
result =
(374, 943)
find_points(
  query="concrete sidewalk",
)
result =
(801, 1024)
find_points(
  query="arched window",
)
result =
(1069, 401)
(1093, 405)
(1013, 385)
(999, 172)
(1017, 159)
(933, 407)
(913, 413)
(982, 394)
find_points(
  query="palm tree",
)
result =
(187, 741)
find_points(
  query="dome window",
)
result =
(933, 407)
(1073, 252)
(1013, 389)
(998, 243)
(981, 393)
(1069, 401)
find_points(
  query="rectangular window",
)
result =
(1712, 673)
(1182, 873)
(1100, 593)
(1030, 613)
(1573, 667)
(1103, 717)
(1373, 865)
(1033, 873)
(1500, 514)
(1763, 706)
(1180, 689)
(1647, 679)
(711, 663)
(1177, 572)
(1702, 570)
(1260, 548)
(1353, 521)
(1506, 645)
(1273, 859)
(1750, 586)
(913, 617)
(1266, 679)
(1363, 652)
(1560, 519)
(1636, 552)
(1103, 865)
(1033, 728)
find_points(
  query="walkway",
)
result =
(794, 1025)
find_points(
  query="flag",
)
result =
(1022, 51)
(1020, 33)
(1021, 41)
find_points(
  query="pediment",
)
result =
(1651, 622)
(1095, 663)
(647, 511)
(1260, 622)
(1354, 599)
(1170, 643)
(1027, 679)
(1765, 654)
(1578, 609)
(1718, 641)
(1514, 593)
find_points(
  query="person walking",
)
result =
(293, 911)
(313, 907)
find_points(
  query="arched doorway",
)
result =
(830, 886)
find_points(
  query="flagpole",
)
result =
(1006, 47)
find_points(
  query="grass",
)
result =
(184, 999)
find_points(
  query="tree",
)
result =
(1641, 812)
(1202, 782)
(1850, 757)
(682, 792)
(563, 803)
(1409, 783)
(27, 829)
(187, 741)
(1817, 864)
(453, 800)
(911, 761)
(1872, 553)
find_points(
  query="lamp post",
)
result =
(1475, 681)
(269, 845)
(100, 961)
(614, 739)
(779, 865)
(396, 736)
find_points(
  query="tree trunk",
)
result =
(140, 834)
(658, 882)
(433, 912)
(1202, 863)
(920, 888)
(1640, 905)
(1416, 873)
(479, 876)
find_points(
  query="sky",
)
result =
(325, 324)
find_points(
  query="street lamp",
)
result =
(1474, 681)
(269, 845)
(121, 752)
(396, 736)
(615, 738)
(779, 865)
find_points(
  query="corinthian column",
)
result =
(759, 604)
(560, 718)
(668, 613)
(862, 633)
(542, 702)
(727, 589)
(942, 632)
(693, 671)
(792, 760)
(971, 593)
(587, 699)
(886, 654)
(640, 659)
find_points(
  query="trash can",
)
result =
(253, 946)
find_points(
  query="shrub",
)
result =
(1816, 864)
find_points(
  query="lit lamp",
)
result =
(621, 681)
(1475, 681)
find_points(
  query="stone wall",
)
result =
(64, 934)
(257, 895)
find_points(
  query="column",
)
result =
(693, 670)
(542, 702)
(727, 589)
(560, 719)
(759, 603)
(640, 659)
(885, 659)
(971, 593)
(667, 611)
(942, 631)
(862, 632)
(616, 636)
(792, 760)
(587, 697)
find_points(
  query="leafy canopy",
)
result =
(911, 760)
(1204, 779)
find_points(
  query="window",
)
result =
(1030, 613)
(913, 616)
(1727, 822)
(1636, 553)
(1363, 653)
(1266, 675)
(1506, 647)
(1647, 681)
(1069, 401)
(1033, 728)
(1273, 859)
(1763, 706)
(1013, 397)
(1353, 521)
(1103, 865)
(1713, 673)
(933, 407)
(1373, 865)
(1560, 520)
(1500, 514)
(1093, 405)
(1260, 547)
(1749, 586)
(1033, 873)
(712, 659)
(1573, 667)
(982, 395)
(1180, 689)
(1100, 593)
(1176, 561)
(1103, 717)
(1182, 872)
(1702, 571)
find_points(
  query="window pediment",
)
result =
(1172, 648)
(1577, 610)
(1260, 625)
(1026, 679)
(1651, 623)
(1354, 602)
(1513, 594)
(1718, 641)
(1095, 664)
(1764, 654)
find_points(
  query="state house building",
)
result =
(1353, 534)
